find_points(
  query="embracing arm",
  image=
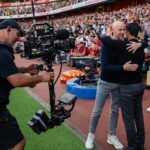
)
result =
(113, 44)
(120, 45)
(133, 46)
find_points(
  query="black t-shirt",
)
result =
(7, 68)
(131, 77)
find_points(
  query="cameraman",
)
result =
(10, 77)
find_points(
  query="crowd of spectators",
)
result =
(4, 11)
(87, 27)
(20, 10)
(66, 3)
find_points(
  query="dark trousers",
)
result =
(131, 107)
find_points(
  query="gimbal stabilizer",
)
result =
(40, 121)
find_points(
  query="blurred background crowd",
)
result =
(88, 26)
(85, 25)
(20, 10)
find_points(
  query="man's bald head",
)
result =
(118, 29)
(116, 24)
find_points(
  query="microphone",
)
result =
(62, 34)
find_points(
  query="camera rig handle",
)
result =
(50, 84)
(52, 96)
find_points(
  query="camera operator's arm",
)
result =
(32, 69)
(9, 71)
(21, 80)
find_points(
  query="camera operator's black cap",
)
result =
(12, 23)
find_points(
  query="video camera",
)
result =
(44, 42)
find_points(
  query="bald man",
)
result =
(131, 87)
(108, 84)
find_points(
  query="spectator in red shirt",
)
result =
(81, 49)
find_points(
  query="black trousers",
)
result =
(132, 112)
(10, 133)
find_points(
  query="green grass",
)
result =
(23, 107)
